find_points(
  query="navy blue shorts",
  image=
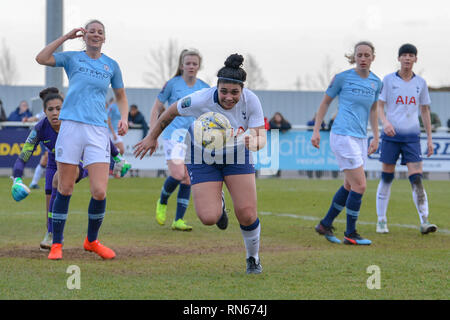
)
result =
(216, 172)
(391, 151)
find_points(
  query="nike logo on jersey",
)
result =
(405, 100)
(46, 141)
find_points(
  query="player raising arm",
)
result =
(84, 129)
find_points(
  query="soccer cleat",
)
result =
(253, 267)
(223, 221)
(181, 225)
(327, 232)
(427, 227)
(98, 248)
(34, 186)
(382, 227)
(46, 244)
(121, 166)
(161, 212)
(355, 238)
(55, 252)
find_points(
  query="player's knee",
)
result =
(359, 187)
(208, 220)
(98, 193)
(65, 187)
(178, 175)
(246, 215)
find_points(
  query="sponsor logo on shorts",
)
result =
(59, 152)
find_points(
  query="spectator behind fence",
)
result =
(22, 112)
(2, 112)
(435, 122)
(448, 125)
(330, 123)
(279, 122)
(136, 117)
(311, 123)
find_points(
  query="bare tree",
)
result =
(320, 81)
(163, 63)
(255, 78)
(8, 69)
(325, 75)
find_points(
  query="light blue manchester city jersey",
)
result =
(356, 97)
(89, 80)
(175, 89)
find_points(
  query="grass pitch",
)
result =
(154, 262)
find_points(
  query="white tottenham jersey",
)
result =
(402, 101)
(247, 113)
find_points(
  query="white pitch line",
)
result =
(310, 218)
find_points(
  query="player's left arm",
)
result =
(257, 138)
(122, 103)
(150, 142)
(374, 125)
(426, 120)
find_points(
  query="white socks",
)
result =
(383, 195)
(38, 173)
(251, 241)
(421, 201)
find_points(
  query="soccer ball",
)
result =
(212, 130)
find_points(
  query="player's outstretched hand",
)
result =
(146, 144)
(19, 190)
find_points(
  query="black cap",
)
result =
(407, 48)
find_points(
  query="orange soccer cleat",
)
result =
(55, 252)
(98, 248)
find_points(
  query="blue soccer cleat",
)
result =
(327, 232)
(355, 238)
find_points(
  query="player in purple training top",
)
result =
(46, 131)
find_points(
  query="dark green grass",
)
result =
(154, 262)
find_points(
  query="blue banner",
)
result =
(11, 143)
(293, 150)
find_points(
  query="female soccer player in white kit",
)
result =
(234, 164)
(402, 94)
(84, 131)
(358, 91)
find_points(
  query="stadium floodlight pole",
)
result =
(54, 30)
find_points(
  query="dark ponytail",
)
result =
(232, 72)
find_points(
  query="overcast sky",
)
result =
(289, 39)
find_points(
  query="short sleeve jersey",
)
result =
(356, 97)
(402, 100)
(175, 89)
(247, 113)
(114, 115)
(89, 80)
